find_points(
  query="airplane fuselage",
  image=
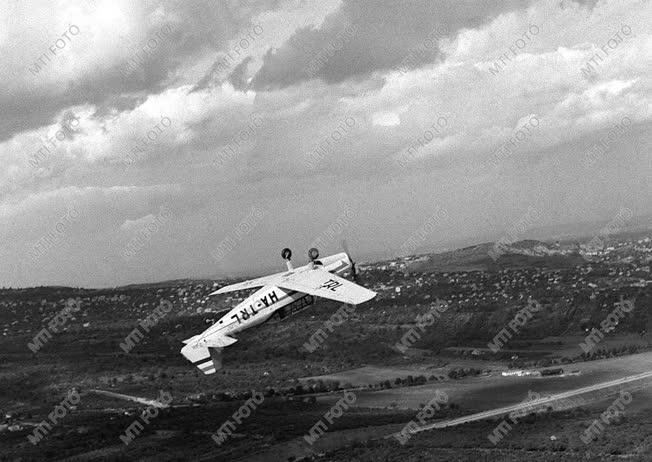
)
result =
(268, 300)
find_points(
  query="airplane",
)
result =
(281, 295)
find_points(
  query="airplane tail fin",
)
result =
(207, 360)
(206, 355)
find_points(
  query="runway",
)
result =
(533, 404)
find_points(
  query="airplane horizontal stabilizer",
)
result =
(218, 341)
(206, 360)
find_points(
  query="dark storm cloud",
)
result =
(193, 28)
(381, 35)
(35, 108)
(365, 36)
(238, 77)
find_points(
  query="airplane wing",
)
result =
(258, 282)
(323, 284)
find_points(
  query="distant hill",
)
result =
(526, 253)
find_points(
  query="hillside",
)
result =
(491, 256)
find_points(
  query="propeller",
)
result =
(354, 271)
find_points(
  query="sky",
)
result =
(145, 141)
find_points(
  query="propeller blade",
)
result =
(354, 271)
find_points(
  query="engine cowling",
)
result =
(313, 254)
(286, 254)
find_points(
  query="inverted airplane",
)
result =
(281, 295)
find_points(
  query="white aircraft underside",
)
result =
(283, 294)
